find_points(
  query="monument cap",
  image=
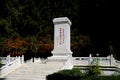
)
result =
(61, 20)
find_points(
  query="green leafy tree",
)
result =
(93, 68)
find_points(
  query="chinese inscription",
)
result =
(61, 31)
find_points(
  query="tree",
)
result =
(2, 47)
(94, 69)
(111, 50)
(15, 46)
(32, 46)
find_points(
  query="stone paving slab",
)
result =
(35, 71)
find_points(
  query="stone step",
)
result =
(21, 78)
(35, 71)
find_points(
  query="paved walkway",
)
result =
(34, 71)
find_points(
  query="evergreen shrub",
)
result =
(74, 74)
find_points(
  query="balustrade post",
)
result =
(90, 59)
(8, 59)
(22, 59)
(112, 60)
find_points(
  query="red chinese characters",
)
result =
(61, 31)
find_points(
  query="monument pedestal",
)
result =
(66, 60)
(60, 54)
(62, 50)
(59, 58)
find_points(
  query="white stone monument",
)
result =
(61, 53)
(61, 38)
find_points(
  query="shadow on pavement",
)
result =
(2, 78)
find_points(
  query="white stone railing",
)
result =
(103, 61)
(81, 60)
(10, 64)
(118, 63)
(39, 60)
(109, 65)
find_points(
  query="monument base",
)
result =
(66, 60)
(61, 51)
(61, 54)
(59, 57)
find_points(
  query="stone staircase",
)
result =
(34, 71)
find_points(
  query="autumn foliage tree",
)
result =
(15, 46)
